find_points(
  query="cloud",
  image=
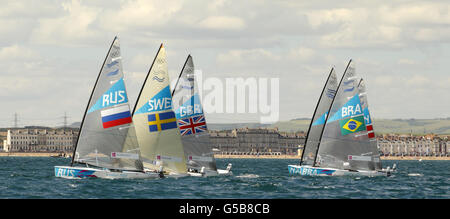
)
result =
(404, 61)
(74, 26)
(385, 25)
(222, 23)
(132, 15)
(384, 81)
(18, 52)
(302, 54)
(50, 52)
(419, 81)
(246, 56)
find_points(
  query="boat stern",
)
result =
(71, 172)
(309, 171)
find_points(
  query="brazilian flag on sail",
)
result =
(352, 125)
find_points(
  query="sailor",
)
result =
(161, 172)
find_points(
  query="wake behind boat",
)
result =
(341, 140)
(192, 125)
(107, 143)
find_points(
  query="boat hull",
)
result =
(320, 171)
(224, 172)
(175, 175)
(208, 173)
(86, 172)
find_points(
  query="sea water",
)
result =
(33, 177)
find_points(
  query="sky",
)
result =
(52, 50)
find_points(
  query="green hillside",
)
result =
(294, 125)
(414, 126)
(382, 126)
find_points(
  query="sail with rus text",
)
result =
(107, 137)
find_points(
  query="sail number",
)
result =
(114, 98)
(160, 104)
(351, 110)
(189, 110)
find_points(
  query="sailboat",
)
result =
(318, 122)
(345, 146)
(156, 125)
(192, 125)
(107, 146)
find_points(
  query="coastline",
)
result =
(257, 156)
(298, 157)
(413, 158)
(56, 154)
(29, 154)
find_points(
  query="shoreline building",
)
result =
(40, 140)
(241, 141)
(409, 145)
(254, 141)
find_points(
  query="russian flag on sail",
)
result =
(116, 116)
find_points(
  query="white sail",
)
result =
(106, 124)
(192, 121)
(344, 143)
(156, 128)
(369, 125)
(318, 120)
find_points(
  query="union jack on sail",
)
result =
(192, 125)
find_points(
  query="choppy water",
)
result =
(33, 177)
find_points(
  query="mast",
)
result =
(328, 114)
(89, 101)
(146, 77)
(181, 73)
(315, 110)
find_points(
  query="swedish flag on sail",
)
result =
(352, 125)
(162, 121)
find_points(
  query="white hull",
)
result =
(176, 175)
(69, 172)
(224, 172)
(212, 173)
(219, 172)
(167, 174)
(320, 171)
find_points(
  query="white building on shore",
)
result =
(408, 145)
(40, 140)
